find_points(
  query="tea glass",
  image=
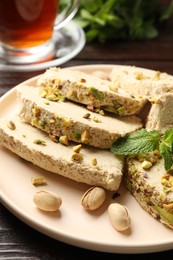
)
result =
(27, 26)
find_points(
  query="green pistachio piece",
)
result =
(97, 94)
(77, 135)
(111, 109)
(165, 214)
(39, 142)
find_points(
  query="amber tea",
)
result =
(27, 23)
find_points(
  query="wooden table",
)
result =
(19, 241)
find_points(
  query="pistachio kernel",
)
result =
(77, 157)
(11, 125)
(94, 161)
(39, 142)
(85, 136)
(77, 148)
(63, 140)
(37, 181)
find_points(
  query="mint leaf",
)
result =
(166, 155)
(166, 148)
(167, 139)
(138, 142)
(143, 141)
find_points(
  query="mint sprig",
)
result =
(143, 141)
(140, 141)
(166, 148)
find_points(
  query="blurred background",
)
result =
(110, 20)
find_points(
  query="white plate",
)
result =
(73, 225)
(68, 42)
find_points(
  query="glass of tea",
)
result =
(26, 28)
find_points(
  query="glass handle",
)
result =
(67, 14)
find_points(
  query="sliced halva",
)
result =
(140, 81)
(151, 185)
(72, 120)
(35, 146)
(88, 89)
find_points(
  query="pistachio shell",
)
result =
(119, 216)
(93, 198)
(47, 201)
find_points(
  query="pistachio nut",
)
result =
(93, 198)
(119, 216)
(47, 201)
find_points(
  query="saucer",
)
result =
(68, 41)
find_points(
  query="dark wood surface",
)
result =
(19, 241)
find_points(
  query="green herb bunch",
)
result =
(143, 141)
(104, 20)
